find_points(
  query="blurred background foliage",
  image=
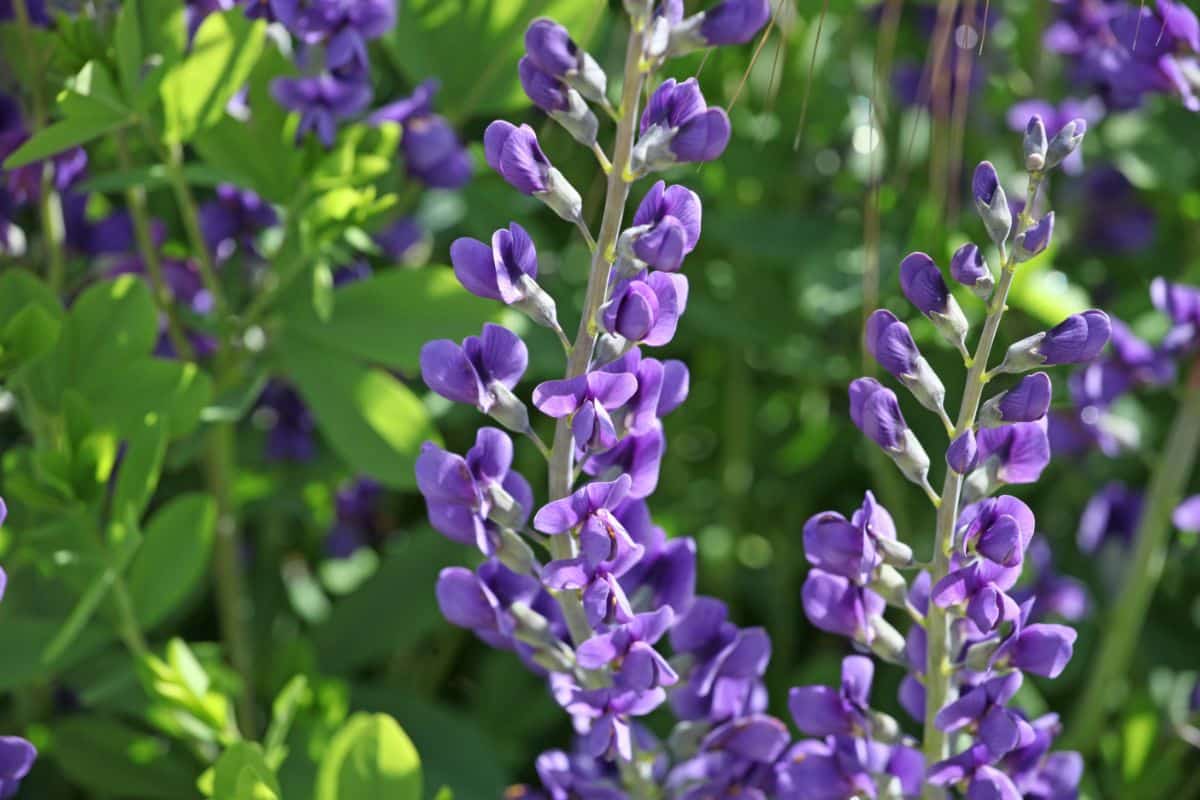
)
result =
(832, 176)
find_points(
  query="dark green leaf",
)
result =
(139, 470)
(174, 557)
(111, 759)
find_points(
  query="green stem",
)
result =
(173, 160)
(135, 198)
(563, 450)
(1128, 611)
(232, 610)
(937, 622)
(127, 622)
(49, 203)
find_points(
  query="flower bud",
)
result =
(886, 641)
(1028, 401)
(508, 409)
(891, 586)
(969, 268)
(729, 22)
(1031, 242)
(923, 285)
(516, 554)
(894, 551)
(884, 727)
(963, 453)
(1077, 339)
(679, 127)
(564, 105)
(551, 48)
(991, 202)
(876, 412)
(891, 343)
(1035, 144)
(514, 152)
(1065, 142)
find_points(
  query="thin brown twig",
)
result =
(762, 40)
(808, 79)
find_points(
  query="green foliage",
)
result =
(174, 558)
(370, 756)
(242, 773)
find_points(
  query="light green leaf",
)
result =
(369, 418)
(147, 28)
(429, 35)
(59, 137)
(174, 557)
(1140, 731)
(178, 390)
(369, 757)
(196, 90)
(242, 774)
(31, 332)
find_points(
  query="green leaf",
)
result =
(174, 557)
(196, 90)
(1140, 731)
(242, 773)
(139, 471)
(273, 166)
(369, 418)
(154, 176)
(387, 318)
(31, 332)
(369, 757)
(90, 108)
(147, 28)
(112, 759)
(405, 580)
(428, 40)
(89, 602)
(178, 390)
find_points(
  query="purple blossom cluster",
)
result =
(973, 633)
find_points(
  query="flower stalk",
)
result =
(1152, 541)
(603, 254)
(938, 673)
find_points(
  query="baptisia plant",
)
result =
(972, 637)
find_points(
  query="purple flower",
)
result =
(1000, 730)
(962, 455)
(876, 411)
(836, 605)
(1078, 338)
(356, 520)
(550, 48)
(638, 666)
(16, 759)
(321, 101)
(1114, 218)
(1017, 453)
(734, 21)
(852, 548)
(1041, 648)
(233, 219)
(974, 587)
(922, 283)
(1186, 516)
(991, 202)
(481, 371)
(1028, 401)
(433, 153)
(973, 767)
(679, 127)
(638, 455)
(891, 344)
(342, 26)
(646, 309)
(1181, 304)
(467, 498)
(666, 227)
(1113, 513)
(1052, 593)
(969, 268)
(516, 155)
(587, 399)
(504, 271)
(822, 711)
(605, 714)
(401, 241)
(290, 424)
(35, 8)
(998, 528)
(1036, 239)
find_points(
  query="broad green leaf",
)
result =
(31, 332)
(273, 166)
(90, 107)
(89, 602)
(369, 757)
(196, 90)
(429, 35)
(405, 580)
(178, 390)
(147, 28)
(109, 323)
(19, 289)
(112, 759)
(174, 557)
(138, 474)
(446, 739)
(387, 318)
(369, 418)
(242, 773)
